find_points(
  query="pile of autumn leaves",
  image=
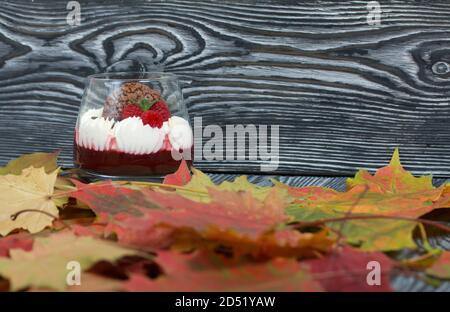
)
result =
(188, 234)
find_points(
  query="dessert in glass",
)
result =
(132, 124)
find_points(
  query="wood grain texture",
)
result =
(343, 92)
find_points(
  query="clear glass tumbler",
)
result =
(132, 124)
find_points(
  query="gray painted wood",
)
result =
(344, 93)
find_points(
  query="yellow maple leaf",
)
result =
(45, 266)
(37, 160)
(197, 188)
(31, 190)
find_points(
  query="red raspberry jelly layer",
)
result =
(124, 164)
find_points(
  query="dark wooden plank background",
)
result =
(343, 92)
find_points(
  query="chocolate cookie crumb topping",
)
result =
(128, 93)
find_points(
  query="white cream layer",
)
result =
(131, 135)
(180, 133)
(95, 131)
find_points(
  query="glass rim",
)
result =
(133, 76)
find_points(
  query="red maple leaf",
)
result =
(349, 269)
(234, 219)
(16, 241)
(181, 177)
(209, 272)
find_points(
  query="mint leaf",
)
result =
(145, 104)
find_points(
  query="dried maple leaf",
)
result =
(112, 199)
(62, 185)
(36, 160)
(32, 189)
(92, 230)
(90, 283)
(209, 272)
(238, 211)
(48, 161)
(368, 234)
(96, 283)
(45, 265)
(17, 241)
(235, 219)
(200, 183)
(347, 270)
(441, 267)
(391, 192)
(181, 177)
(392, 179)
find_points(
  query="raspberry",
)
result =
(151, 118)
(161, 108)
(129, 92)
(131, 110)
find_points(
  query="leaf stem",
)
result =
(301, 224)
(14, 216)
